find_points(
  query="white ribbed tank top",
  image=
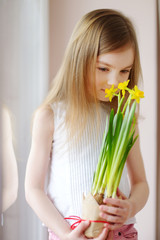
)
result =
(72, 165)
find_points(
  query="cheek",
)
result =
(99, 80)
(124, 77)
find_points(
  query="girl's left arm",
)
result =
(118, 211)
(139, 186)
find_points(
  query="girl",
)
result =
(102, 51)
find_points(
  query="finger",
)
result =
(115, 202)
(81, 227)
(120, 194)
(111, 218)
(112, 210)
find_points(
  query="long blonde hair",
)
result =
(98, 32)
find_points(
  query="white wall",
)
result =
(64, 15)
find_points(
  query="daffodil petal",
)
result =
(110, 92)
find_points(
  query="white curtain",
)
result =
(23, 84)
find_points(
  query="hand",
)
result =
(116, 211)
(78, 232)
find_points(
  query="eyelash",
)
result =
(103, 69)
(125, 71)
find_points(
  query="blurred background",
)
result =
(33, 37)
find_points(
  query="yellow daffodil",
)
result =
(110, 93)
(136, 94)
(123, 86)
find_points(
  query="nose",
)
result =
(113, 80)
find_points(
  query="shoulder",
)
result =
(43, 120)
(43, 114)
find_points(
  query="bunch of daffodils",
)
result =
(119, 137)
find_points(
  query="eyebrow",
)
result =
(109, 65)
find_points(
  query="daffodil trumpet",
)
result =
(118, 139)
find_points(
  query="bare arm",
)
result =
(36, 172)
(37, 167)
(139, 185)
(127, 208)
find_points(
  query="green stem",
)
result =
(124, 141)
(127, 103)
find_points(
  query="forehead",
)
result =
(121, 58)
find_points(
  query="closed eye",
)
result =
(126, 71)
(103, 69)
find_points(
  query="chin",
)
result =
(102, 99)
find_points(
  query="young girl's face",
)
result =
(112, 68)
